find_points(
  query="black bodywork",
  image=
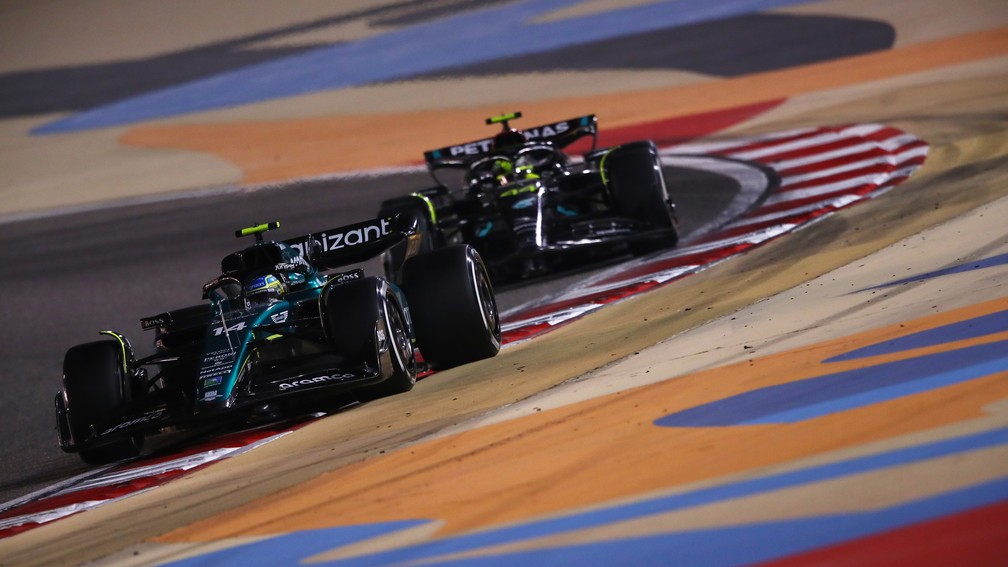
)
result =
(548, 209)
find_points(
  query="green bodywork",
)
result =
(234, 335)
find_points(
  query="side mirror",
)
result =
(312, 249)
(222, 288)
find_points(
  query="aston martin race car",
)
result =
(283, 325)
(528, 207)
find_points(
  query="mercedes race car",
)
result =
(282, 326)
(528, 207)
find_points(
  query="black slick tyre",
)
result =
(636, 183)
(98, 396)
(350, 311)
(363, 320)
(402, 359)
(452, 306)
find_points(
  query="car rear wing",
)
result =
(354, 243)
(559, 134)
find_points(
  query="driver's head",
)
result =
(263, 290)
(508, 140)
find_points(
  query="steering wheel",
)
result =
(487, 163)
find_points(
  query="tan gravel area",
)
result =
(801, 290)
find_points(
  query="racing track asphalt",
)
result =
(105, 281)
(65, 277)
(70, 275)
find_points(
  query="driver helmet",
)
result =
(508, 140)
(264, 290)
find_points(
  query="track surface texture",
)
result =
(835, 394)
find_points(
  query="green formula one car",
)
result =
(281, 327)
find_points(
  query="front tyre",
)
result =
(635, 180)
(96, 396)
(402, 359)
(452, 306)
(364, 323)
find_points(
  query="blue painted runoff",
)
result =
(969, 329)
(992, 262)
(735, 545)
(747, 544)
(495, 32)
(815, 397)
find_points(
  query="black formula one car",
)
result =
(281, 328)
(528, 208)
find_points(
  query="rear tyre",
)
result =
(98, 397)
(452, 306)
(637, 185)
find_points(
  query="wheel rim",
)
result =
(488, 306)
(401, 342)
